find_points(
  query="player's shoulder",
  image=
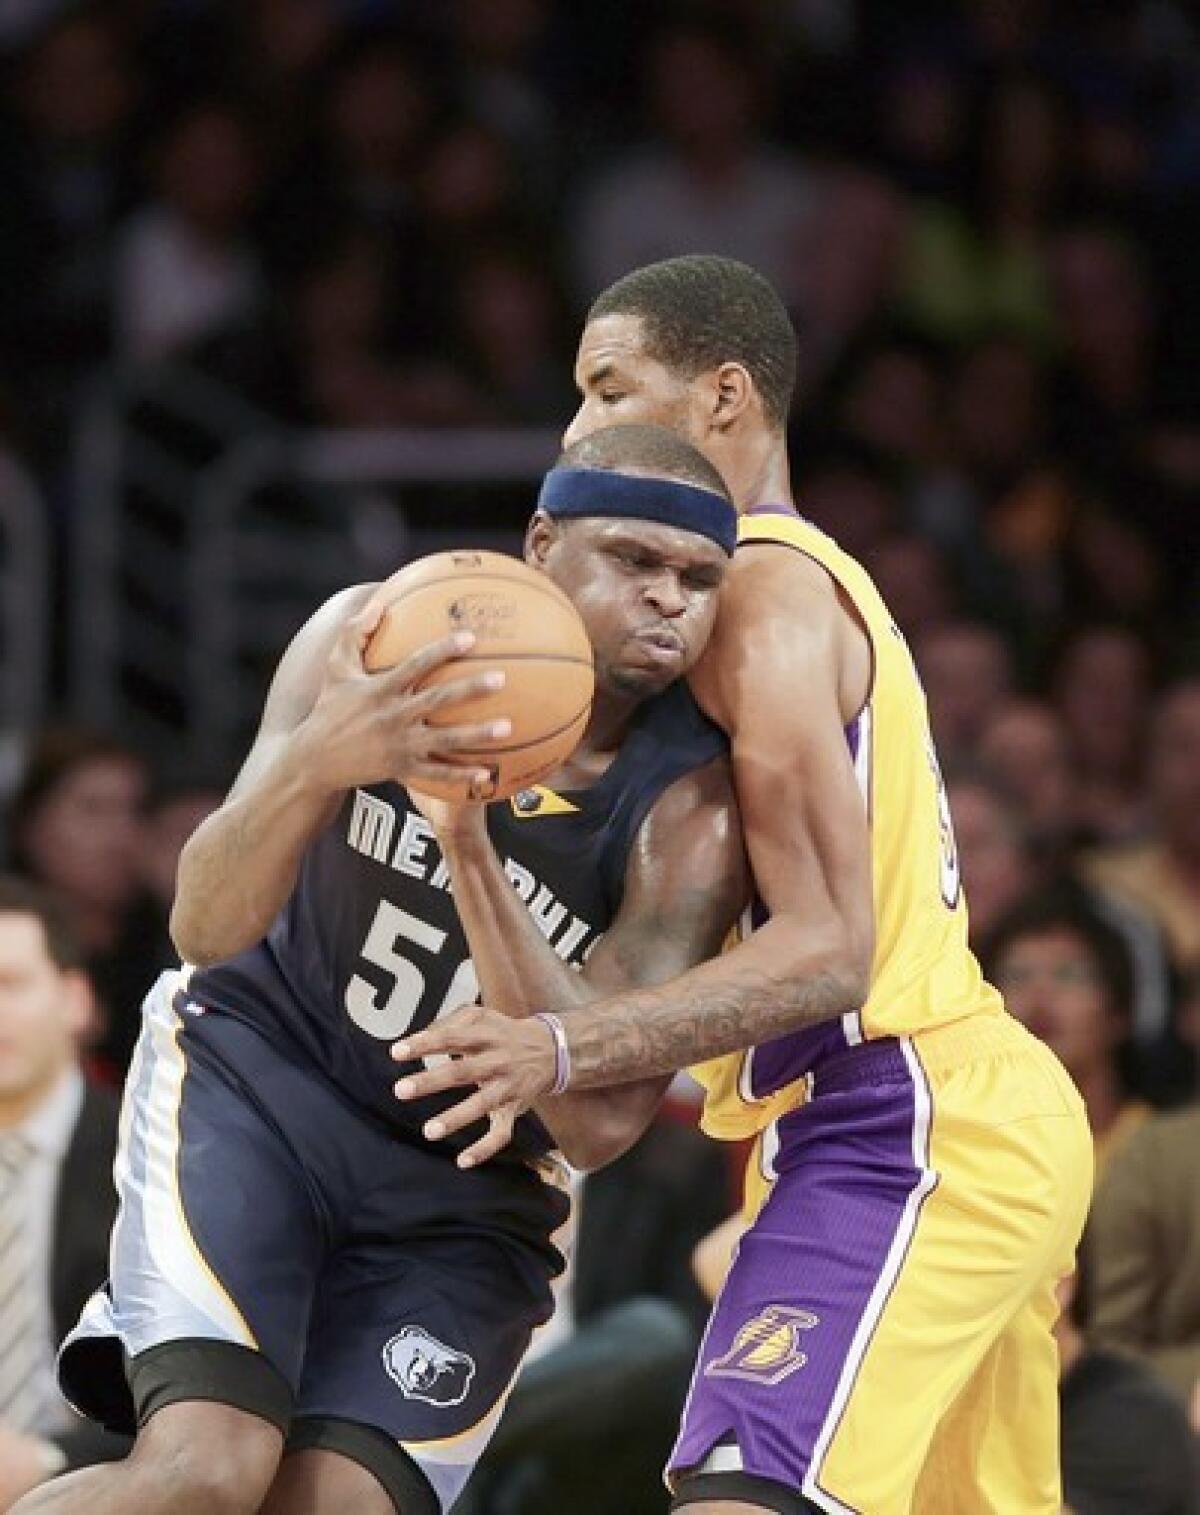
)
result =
(768, 579)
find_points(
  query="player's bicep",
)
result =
(804, 814)
(297, 682)
(686, 882)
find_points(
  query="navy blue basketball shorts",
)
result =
(281, 1251)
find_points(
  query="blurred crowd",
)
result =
(984, 216)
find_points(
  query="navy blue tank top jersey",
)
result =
(369, 947)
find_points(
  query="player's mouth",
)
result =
(662, 648)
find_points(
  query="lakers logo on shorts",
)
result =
(428, 1369)
(767, 1348)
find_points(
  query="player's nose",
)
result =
(576, 430)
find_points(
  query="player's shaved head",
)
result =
(644, 449)
(700, 311)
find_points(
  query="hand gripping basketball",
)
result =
(523, 627)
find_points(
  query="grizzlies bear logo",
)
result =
(427, 1369)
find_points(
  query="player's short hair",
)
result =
(648, 449)
(20, 896)
(701, 311)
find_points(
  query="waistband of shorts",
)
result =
(942, 1047)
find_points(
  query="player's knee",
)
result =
(180, 1441)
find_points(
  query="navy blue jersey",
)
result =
(368, 947)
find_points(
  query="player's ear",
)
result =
(540, 536)
(732, 394)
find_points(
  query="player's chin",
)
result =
(641, 683)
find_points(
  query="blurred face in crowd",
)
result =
(209, 173)
(378, 114)
(966, 672)
(293, 35)
(500, 32)
(848, 254)
(1175, 769)
(43, 1009)
(852, 505)
(996, 406)
(469, 178)
(893, 403)
(1103, 688)
(85, 835)
(78, 90)
(1101, 299)
(1023, 148)
(910, 573)
(166, 828)
(702, 97)
(996, 868)
(1025, 747)
(1053, 984)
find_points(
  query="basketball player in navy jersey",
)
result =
(312, 1309)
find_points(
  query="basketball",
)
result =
(524, 627)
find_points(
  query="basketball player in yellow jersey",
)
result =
(883, 1341)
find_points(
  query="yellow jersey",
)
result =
(923, 974)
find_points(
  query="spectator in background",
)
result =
(1105, 315)
(1143, 1250)
(1126, 1446)
(850, 491)
(1102, 683)
(186, 266)
(498, 45)
(65, 166)
(57, 1202)
(707, 180)
(998, 863)
(846, 262)
(1065, 973)
(370, 118)
(891, 397)
(916, 577)
(967, 672)
(976, 263)
(1024, 747)
(1162, 874)
(76, 826)
(511, 324)
(174, 808)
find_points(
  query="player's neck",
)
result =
(760, 475)
(610, 718)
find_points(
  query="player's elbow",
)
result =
(196, 940)
(590, 1149)
(603, 1132)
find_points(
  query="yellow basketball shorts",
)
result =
(883, 1343)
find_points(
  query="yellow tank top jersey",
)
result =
(923, 975)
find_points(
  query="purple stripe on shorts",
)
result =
(811, 1276)
(775, 1064)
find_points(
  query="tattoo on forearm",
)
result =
(655, 1032)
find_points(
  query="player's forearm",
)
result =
(240, 865)
(784, 978)
(518, 970)
(520, 973)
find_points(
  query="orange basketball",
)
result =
(524, 626)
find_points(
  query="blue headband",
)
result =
(571, 492)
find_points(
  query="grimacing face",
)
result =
(647, 594)
(621, 384)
